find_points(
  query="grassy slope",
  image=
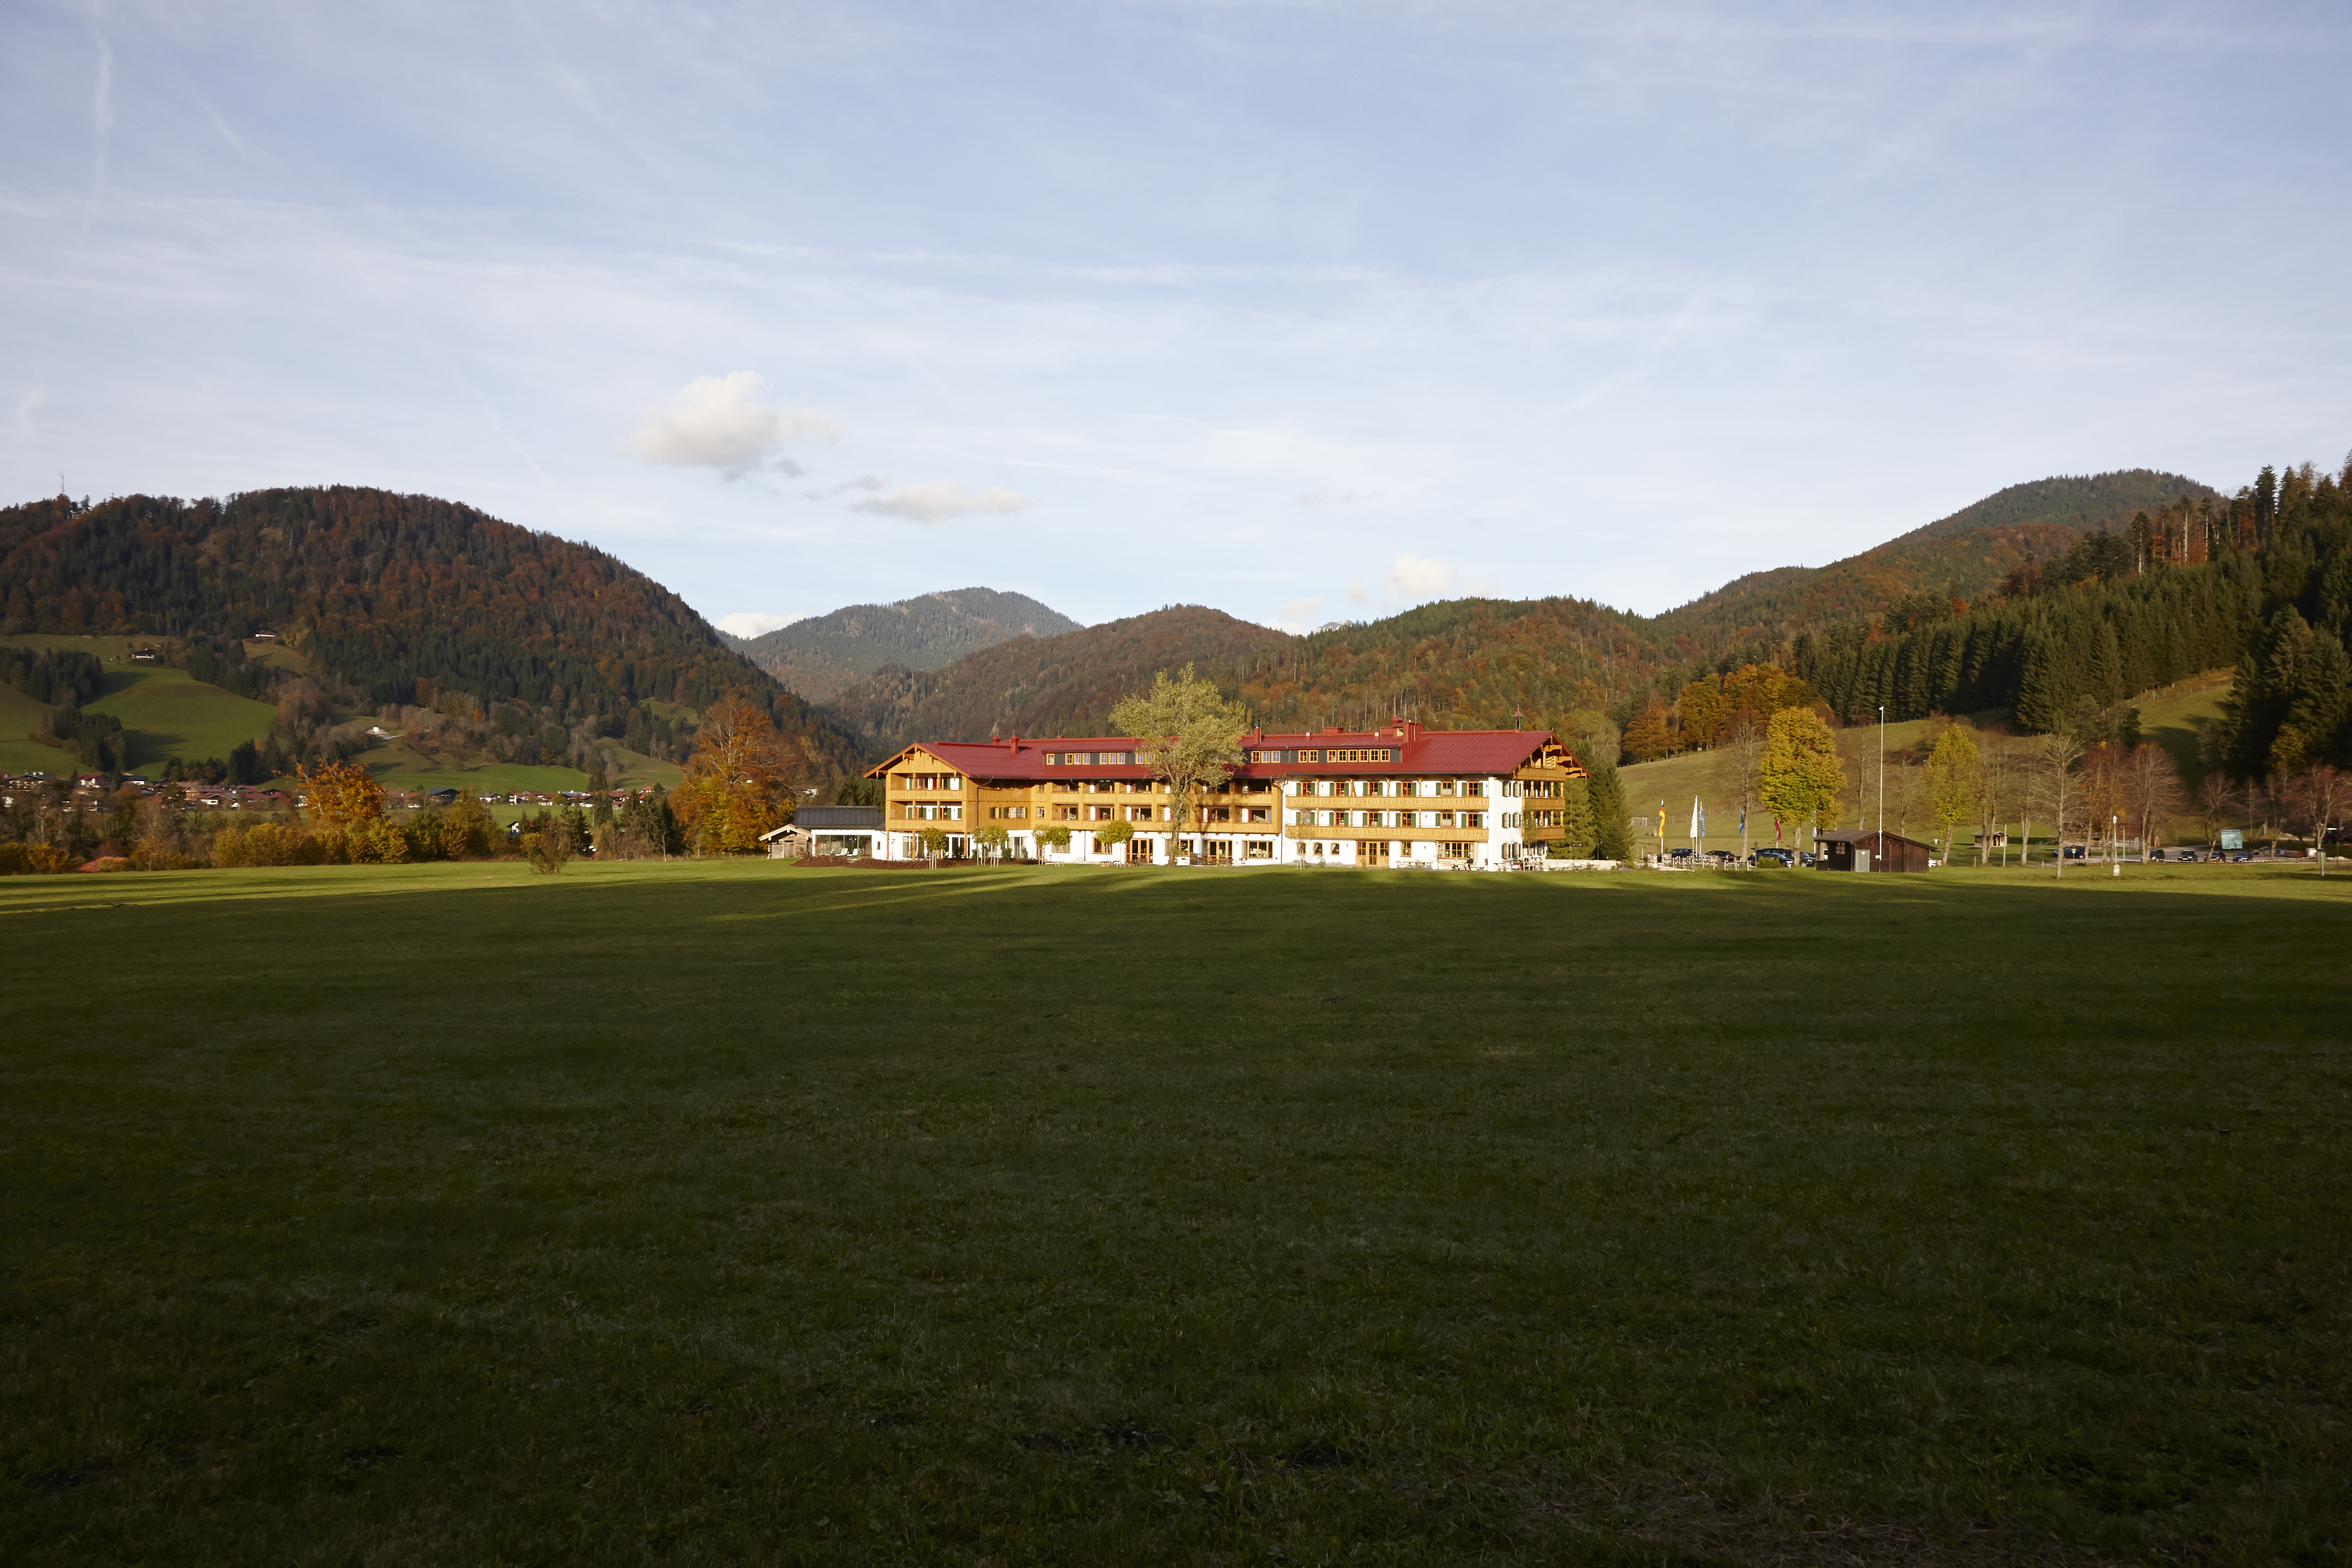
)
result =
(398, 767)
(2166, 717)
(451, 1214)
(170, 713)
(19, 717)
(1710, 776)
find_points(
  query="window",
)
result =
(1453, 851)
(1221, 814)
(1358, 754)
(1472, 787)
(1310, 756)
(949, 781)
(1256, 814)
(1323, 786)
(1139, 813)
(1473, 819)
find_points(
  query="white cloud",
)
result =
(752, 622)
(936, 501)
(1417, 577)
(714, 423)
(1356, 594)
(1297, 615)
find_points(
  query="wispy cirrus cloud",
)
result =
(935, 501)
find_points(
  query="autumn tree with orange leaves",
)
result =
(341, 794)
(739, 783)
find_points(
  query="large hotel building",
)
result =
(1400, 794)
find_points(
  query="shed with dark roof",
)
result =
(1868, 849)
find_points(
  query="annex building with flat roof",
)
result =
(1396, 794)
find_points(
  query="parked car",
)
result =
(2077, 851)
(1781, 858)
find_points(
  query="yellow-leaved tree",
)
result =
(738, 782)
(1799, 778)
(1185, 732)
(1954, 783)
(340, 795)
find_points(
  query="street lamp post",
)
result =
(2115, 827)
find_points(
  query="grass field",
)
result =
(739, 1212)
(170, 713)
(399, 768)
(19, 717)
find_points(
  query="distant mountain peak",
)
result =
(823, 654)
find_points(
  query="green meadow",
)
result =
(721, 1212)
(20, 716)
(170, 713)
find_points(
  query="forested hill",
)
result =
(401, 599)
(1963, 556)
(2055, 614)
(1047, 686)
(822, 655)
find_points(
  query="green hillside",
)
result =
(19, 717)
(168, 713)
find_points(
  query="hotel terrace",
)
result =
(1398, 795)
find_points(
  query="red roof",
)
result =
(1475, 752)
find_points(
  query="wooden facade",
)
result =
(1842, 850)
(1395, 795)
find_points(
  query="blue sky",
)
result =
(1307, 311)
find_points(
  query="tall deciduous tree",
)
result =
(342, 795)
(2152, 785)
(2053, 788)
(1185, 732)
(1801, 776)
(1743, 743)
(738, 783)
(1955, 782)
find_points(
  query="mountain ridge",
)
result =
(819, 655)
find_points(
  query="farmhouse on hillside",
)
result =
(1399, 794)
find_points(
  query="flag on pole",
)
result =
(1743, 820)
(1698, 820)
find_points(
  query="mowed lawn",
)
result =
(738, 1212)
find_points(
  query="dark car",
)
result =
(2077, 852)
(1780, 857)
